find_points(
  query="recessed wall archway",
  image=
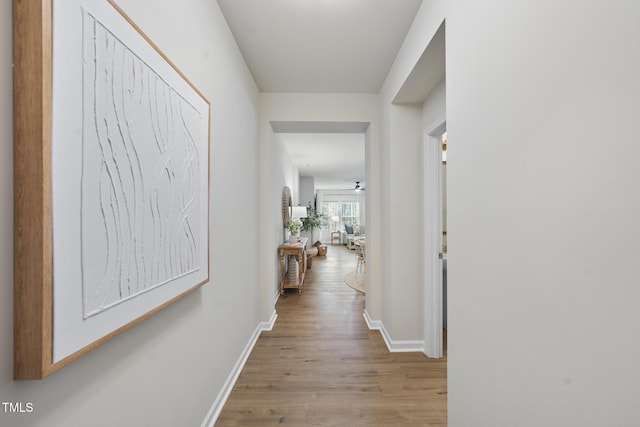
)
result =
(423, 90)
(313, 113)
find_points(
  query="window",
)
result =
(329, 210)
(348, 212)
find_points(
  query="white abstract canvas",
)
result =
(140, 169)
(130, 176)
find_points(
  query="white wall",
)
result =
(543, 205)
(282, 172)
(402, 128)
(403, 319)
(434, 107)
(542, 115)
(168, 370)
(307, 190)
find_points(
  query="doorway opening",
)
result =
(444, 238)
(435, 239)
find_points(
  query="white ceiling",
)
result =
(331, 152)
(335, 160)
(321, 46)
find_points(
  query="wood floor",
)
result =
(322, 366)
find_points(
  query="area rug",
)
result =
(355, 281)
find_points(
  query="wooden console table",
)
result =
(300, 250)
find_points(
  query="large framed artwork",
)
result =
(111, 157)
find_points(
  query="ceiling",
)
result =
(335, 160)
(331, 152)
(321, 46)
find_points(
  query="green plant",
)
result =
(313, 219)
(294, 225)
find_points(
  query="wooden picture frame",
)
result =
(41, 249)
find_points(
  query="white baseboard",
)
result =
(266, 326)
(218, 404)
(406, 346)
(372, 324)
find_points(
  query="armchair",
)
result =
(351, 231)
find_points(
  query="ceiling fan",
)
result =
(358, 187)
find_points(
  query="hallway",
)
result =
(321, 365)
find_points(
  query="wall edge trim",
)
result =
(402, 346)
(223, 395)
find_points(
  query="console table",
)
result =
(300, 250)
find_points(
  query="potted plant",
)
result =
(313, 221)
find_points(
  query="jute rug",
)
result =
(355, 281)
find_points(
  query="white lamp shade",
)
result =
(299, 212)
(335, 219)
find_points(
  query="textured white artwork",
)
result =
(140, 172)
(130, 177)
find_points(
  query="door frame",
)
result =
(433, 310)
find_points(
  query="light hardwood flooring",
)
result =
(322, 366)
